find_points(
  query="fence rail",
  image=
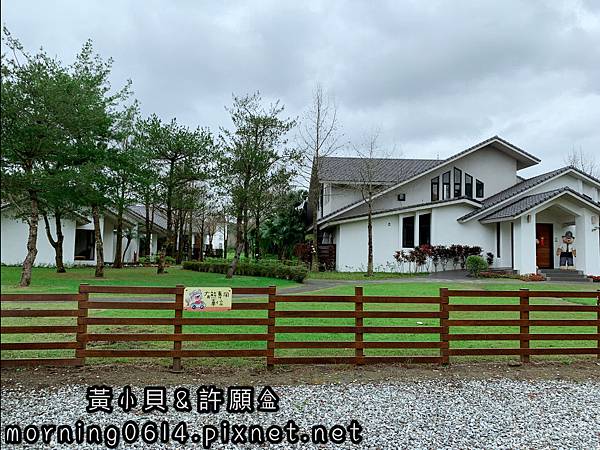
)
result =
(447, 326)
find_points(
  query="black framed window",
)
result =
(425, 229)
(435, 189)
(321, 196)
(457, 183)
(468, 185)
(479, 189)
(497, 239)
(446, 185)
(408, 232)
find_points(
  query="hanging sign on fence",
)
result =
(207, 299)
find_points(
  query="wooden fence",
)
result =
(428, 335)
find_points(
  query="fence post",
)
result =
(359, 356)
(524, 329)
(82, 315)
(177, 327)
(271, 327)
(444, 316)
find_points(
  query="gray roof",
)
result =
(140, 211)
(387, 170)
(530, 201)
(522, 186)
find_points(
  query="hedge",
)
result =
(271, 269)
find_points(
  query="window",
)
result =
(468, 185)
(321, 195)
(497, 239)
(478, 189)
(435, 189)
(425, 229)
(446, 185)
(408, 232)
(84, 245)
(457, 183)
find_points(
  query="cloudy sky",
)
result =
(433, 76)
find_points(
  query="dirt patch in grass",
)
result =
(121, 374)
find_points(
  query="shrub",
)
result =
(272, 269)
(476, 264)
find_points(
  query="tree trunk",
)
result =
(181, 238)
(129, 237)
(238, 248)
(31, 241)
(257, 236)
(57, 244)
(314, 207)
(160, 269)
(147, 242)
(202, 240)
(245, 231)
(118, 259)
(370, 244)
(190, 254)
(99, 245)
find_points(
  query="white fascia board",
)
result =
(570, 194)
(520, 194)
(405, 210)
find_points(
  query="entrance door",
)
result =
(543, 248)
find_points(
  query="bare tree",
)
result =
(583, 161)
(368, 187)
(320, 137)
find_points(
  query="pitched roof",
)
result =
(530, 201)
(387, 170)
(140, 211)
(393, 172)
(516, 189)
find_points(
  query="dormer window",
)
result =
(468, 185)
(435, 189)
(446, 185)
(457, 183)
(479, 189)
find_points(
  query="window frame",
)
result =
(478, 184)
(468, 186)
(405, 221)
(446, 184)
(422, 231)
(457, 184)
(435, 181)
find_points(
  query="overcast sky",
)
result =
(434, 76)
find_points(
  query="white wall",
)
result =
(14, 236)
(351, 238)
(337, 196)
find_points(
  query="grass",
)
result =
(48, 281)
(360, 275)
(400, 288)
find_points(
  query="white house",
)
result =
(79, 241)
(475, 197)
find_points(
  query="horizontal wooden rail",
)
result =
(39, 297)
(39, 313)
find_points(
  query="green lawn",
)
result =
(360, 275)
(46, 280)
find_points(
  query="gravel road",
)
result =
(420, 414)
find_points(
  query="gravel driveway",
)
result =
(420, 414)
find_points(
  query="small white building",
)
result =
(475, 197)
(79, 239)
